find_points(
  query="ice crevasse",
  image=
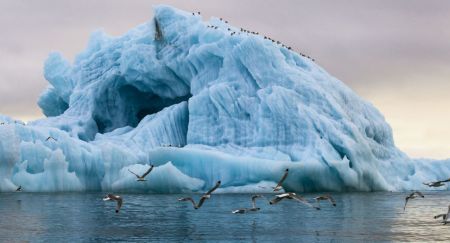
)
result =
(234, 107)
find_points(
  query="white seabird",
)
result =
(252, 209)
(291, 195)
(445, 217)
(116, 198)
(412, 196)
(279, 186)
(50, 137)
(325, 197)
(142, 177)
(205, 196)
(436, 183)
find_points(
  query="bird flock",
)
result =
(248, 32)
(280, 197)
(207, 195)
(312, 203)
(15, 122)
(417, 194)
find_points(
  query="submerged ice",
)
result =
(236, 108)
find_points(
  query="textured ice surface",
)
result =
(236, 108)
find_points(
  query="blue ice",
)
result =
(236, 108)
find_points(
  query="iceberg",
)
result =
(202, 104)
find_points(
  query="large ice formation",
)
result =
(238, 108)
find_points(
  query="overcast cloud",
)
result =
(396, 54)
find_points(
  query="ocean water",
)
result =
(85, 217)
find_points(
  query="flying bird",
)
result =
(205, 196)
(412, 196)
(436, 183)
(291, 195)
(142, 177)
(280, 183)
(50, 137)
(252, 209)
(112, 197)
(445, 216)
(325, 198)
(19, 189)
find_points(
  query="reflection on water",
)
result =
(72, 217)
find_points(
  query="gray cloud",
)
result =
(394, 53)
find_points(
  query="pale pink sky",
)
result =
(395, 54)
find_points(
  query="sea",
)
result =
(85, 217)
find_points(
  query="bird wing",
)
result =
(188, 199)
(241, 210)
(276, 200)
(283, 195)
(254, 200)
(406, 201)
(201, 201)
(302, 200)
(331, 199)
(282, 179)
(447, 180)
(148, 171)
(212, 189)
(427, 183)
(119, 203)
(419, 193)
(133, 173)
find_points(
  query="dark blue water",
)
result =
(73, 217)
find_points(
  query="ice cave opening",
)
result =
(127, 105)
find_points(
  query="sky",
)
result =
(395, 54)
